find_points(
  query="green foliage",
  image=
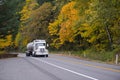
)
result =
(43, 1)
(40, 20)
(92, 54)
(2, 52)
(9, 20)
(97, 23)
(106, 14)
(22, 38)
(35, 20)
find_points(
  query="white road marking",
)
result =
(80, 74)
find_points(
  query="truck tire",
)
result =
(33, 55)
(46, 56)
(27, 54)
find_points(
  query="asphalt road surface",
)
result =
(56, 67)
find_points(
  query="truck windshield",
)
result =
(39, 44)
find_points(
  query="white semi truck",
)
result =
(37, 48)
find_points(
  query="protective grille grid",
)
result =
(42, 50)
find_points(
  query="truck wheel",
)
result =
(46, 55)
(27, 54)
(33, 55)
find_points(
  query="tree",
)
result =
(9, 21)
(25, 18)
(100, 18)
(63, 27)
(7, 42)
(39, 22)
(34, 22)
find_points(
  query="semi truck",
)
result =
(37, 48)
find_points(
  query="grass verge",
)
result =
(103, 56)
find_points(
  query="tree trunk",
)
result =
(109, 37)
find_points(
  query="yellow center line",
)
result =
(100, 67)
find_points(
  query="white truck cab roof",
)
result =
(40, 41)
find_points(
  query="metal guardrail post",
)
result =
(117, 56)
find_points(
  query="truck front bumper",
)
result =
(41, 53)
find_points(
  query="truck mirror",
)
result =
(47, 45)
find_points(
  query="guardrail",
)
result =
(7, 55)
(117, 56)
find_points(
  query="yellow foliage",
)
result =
(53, 27)
(27, 9)
(66, 32)
(20, 40)
(69, 12)
(56, 43)
(69, 16)
(28, 0)
(6, 42)
(25, 42)
(17, 39)
(26, 14)
(86, 30)
(63, 27)
(92, 39)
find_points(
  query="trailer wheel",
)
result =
(27, 54)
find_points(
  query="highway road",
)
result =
(56, 67)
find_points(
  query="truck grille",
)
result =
(42, 50)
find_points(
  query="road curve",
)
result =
(56, 67)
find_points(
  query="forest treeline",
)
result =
(64, 24)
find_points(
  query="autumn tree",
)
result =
(63, 27)
(34, 22)
(100, 20)
(26, 13)
(38, 25)
(6, 42)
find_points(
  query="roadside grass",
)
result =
(92, 55)
(2, 52)
(102, 56)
